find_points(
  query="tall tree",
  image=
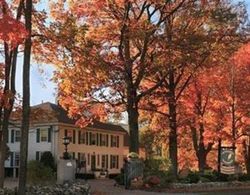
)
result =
(26, 101)
(13, 33)
(200, 112)
(107, 67)
(211, 33)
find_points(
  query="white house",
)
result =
(97, 146)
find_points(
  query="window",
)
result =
(17, 136)
(14, 159)
(68, 133)
(103, 140)
(81, 137)
(44, 135)
(98, 160)
(93, 139)
(114, 141)
(17, 159)
(114, 161)
(103, 161)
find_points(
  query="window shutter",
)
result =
(7, 137)
(87, 138)
(100, 139)
(90, 138)
(107, 140)
(11, 159)
(88, 159)
(74, 136)
(37, 156)
(12, 135)
(97, 139)
(79, 137)
(111, 141)
(107, 161)
(118, 141)
(38, 135)
(111, 158)
(117, 161)
(49, 133)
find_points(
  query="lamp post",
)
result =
(66, 143)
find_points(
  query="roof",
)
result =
(49, 112)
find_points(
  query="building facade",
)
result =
(99, 146)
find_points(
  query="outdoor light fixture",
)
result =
(66, 142)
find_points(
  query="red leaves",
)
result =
(12, 31)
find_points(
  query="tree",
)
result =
(12, 34)
(26, 101)
(48, 160)
(189, 47)
(104, 68)
(200, 112)
(237, 92)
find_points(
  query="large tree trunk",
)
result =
(219, 154)
(134, 130)
(202, 160)
(173, 145)
(133, 116)
(26, 101)
(200, 149)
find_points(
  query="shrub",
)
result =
(210, 175)
(48, 160)
(244, 177)
(38, 173)
(153, 180)
(85, 176)
(193, 177)
(157, 164)
(119, 179)
(161, 168)
(222, 177)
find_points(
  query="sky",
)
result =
(42, 88)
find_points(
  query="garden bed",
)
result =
(202, 187)
(76, 188)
